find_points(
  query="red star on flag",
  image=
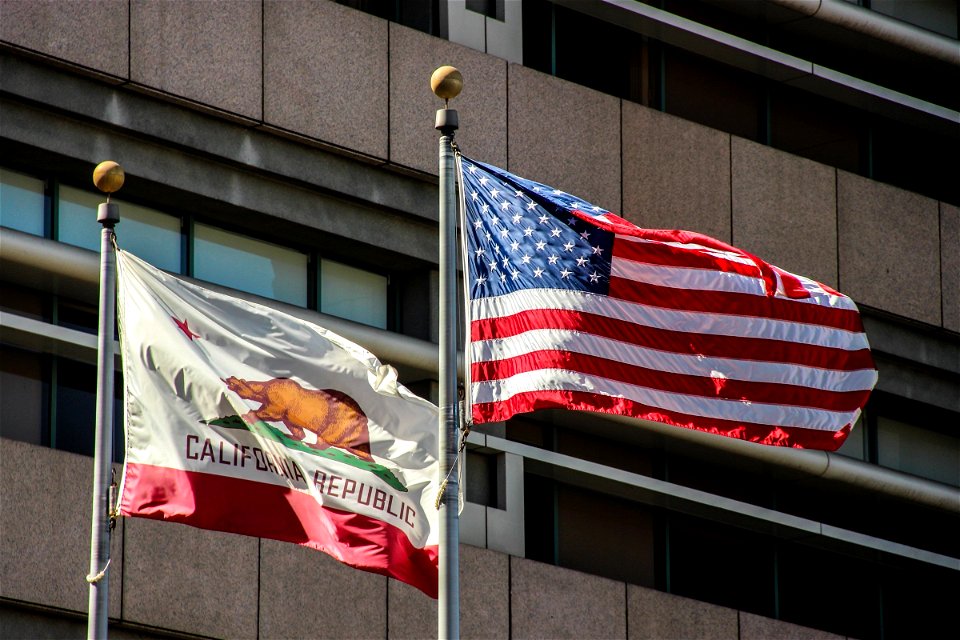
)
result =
(185, 327)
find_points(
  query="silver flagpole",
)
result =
(446, 83)
(108, 177)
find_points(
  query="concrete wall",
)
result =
(330, 76)
(167, 577)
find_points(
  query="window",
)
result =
(722, 564)
(250, 265)
(921, 452)
(824, 590)
(22, 202)
(77, 218)
(75, 408)
(353, 293)
(22, 378)
(149, 234)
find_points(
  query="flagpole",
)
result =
(446, 83)
(108, 177)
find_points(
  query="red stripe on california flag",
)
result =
(722, 388)
(210, 501)
(796, 437)
(729, 303)
(741, 348)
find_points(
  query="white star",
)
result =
(504, 232)
(596, 209)
(481, 280)
(514, 274)
(568, 246)
(553, 259)
(475, 196)
(565, 273)
(594, 277)
(537, 272)
(537, 189)
(484, 180)
(576, 205)
(525, 259)
(479, 252)
(477, 223)
(505, 262)
(531, 205)
(582, 261)
(485, 208)
(488, 236)
(472, 168)
(517, 218)
(528, 231)
(494, 220)
(514, 245)
(504, 205)
(495, 193)
(544, 219)
(540, 245)
(597, 250)
(555, 232)
(557, 192)
(585, 235)
(493, 266)
(503, 277)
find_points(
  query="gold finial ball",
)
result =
(446, 82)
(108, 176)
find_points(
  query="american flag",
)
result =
(571, 306)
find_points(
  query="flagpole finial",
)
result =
(108, 176)
(447, 83)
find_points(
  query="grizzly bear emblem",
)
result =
(335, 418)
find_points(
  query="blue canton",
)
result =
(522, 235)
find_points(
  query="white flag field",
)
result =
(243, 419)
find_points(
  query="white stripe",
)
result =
(691, 278)
(721, 368)
(715, 408)
(716, 280)
(668, 319)
(687, 277)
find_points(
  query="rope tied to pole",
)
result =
(457, 462)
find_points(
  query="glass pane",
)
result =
(353, 293)
(855, 444)
(76, 408)
(21, 202)
(919, 451)
(250, 265)
(77, 221)
(150, 235)
(21, 378)
(592, 534)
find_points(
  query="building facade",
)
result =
(284, 151)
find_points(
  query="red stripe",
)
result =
(732, 303)
(703, 386)
(797, 437)
(740, 348)
(219, 503)
(665, 255)
(671, 256)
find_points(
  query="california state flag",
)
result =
(244, 419)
